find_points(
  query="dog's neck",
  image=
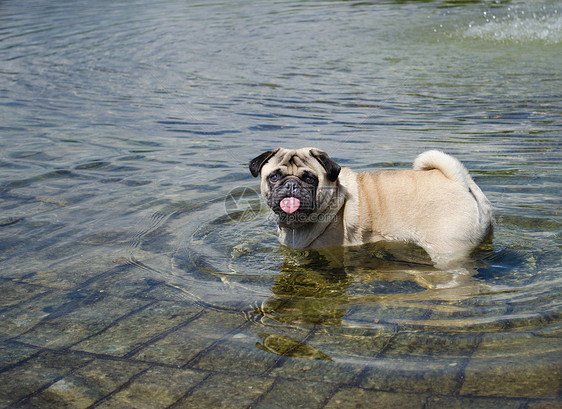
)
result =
(304, 236)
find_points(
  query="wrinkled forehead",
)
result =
(293, 162)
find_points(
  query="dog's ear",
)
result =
(331, 167)
(257, 163)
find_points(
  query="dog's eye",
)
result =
(274, 178)
(309, 179)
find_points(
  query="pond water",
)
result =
(125, 136)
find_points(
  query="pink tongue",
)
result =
(290, 204)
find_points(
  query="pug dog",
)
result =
(319, 204)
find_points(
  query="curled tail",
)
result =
(448, 165)
(453, 169)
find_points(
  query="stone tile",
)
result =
(437, 344)
(178, 289)
(25, 316)
(138, 328)
(11, 353)
(371, 314)
(22, 267)
(459, 308)
(226, 391)
(87, 385)
(156, 388)
(132, 279)
(517, 365)
(289, 394)
(239, 356)
(182, 345)
(347, 343)
(413, 374)
(90, 315)
(545, 404)
(454, 402)
(69, 270)
(16, 292)
(318, 371)
(361, 398)
(39, 371)
(323, 363)
(166, 292)
(102, 238)
(551, 330)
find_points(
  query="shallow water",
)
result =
(124, 141)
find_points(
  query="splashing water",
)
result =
(519, 27)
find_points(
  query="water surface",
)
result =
(125, 135)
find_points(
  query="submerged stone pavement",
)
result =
(71, 341)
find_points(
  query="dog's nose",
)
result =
(291, 186)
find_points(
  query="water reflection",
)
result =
(308, 291)
(322, 287)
